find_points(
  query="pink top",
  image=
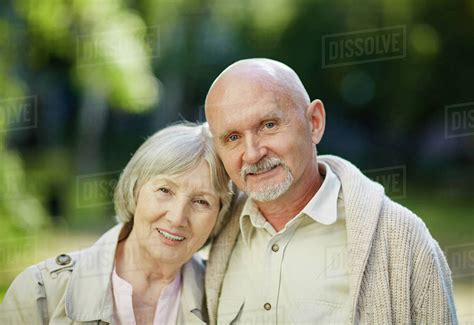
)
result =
(166, 311)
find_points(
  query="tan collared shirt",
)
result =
(295, 276)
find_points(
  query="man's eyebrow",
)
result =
(272, 115)
(279, 115)
(224, 135)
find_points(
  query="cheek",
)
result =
(231, 163)
(204, 225)
(148, 211)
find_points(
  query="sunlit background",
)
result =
(84, 82)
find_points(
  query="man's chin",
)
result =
(267, 195)
(269, 192)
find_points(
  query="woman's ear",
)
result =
(316, 116)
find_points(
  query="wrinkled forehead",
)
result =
(233, 94)
(244, 109)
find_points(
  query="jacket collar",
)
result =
(362, 197)
(192, 292)
(89, 294)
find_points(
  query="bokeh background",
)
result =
(84, 82)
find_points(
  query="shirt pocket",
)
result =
(229, 311)
(318, 312)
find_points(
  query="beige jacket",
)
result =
(80, 292)
(397, 271)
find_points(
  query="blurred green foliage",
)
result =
(105, 74)
(83, 35)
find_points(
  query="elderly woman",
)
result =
(170, 198)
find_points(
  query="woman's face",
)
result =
(175, 215)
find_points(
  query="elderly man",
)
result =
(312, 240)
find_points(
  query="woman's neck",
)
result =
(137, 267)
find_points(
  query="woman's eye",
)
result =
(202, 202)
(163, 190)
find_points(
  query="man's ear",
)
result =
(316, 116)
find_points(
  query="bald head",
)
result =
(256, 77)
(265, 130)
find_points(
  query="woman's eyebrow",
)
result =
(162, 178)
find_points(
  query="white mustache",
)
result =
(265, 164)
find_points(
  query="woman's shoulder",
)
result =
(46, 271)
(25, 299)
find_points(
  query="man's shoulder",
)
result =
(402, 226)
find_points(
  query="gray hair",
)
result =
(173, 150)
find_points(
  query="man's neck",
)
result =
(280, 211)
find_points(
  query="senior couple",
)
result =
(305, 239)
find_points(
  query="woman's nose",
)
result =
(177, 215)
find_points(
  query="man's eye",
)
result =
(270, 125)
(232, 138)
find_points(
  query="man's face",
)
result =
(264, 143)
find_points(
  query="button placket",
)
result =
(273, 261)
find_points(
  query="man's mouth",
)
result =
(263, 170)
(170, 236)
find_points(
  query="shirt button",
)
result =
(275, 247)
(63, 259)
(267, 306)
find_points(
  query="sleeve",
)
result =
(25, 300)
(432, 287)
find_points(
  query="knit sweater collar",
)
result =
(363, 200)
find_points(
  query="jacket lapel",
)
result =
(192, 294)
(89, 294)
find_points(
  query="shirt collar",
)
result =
(250, 218)
(321, 208)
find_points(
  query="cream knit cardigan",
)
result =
(397, 271)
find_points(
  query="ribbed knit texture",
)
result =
(397, 272)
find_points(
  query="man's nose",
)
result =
(254, 150)
(178, 214)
